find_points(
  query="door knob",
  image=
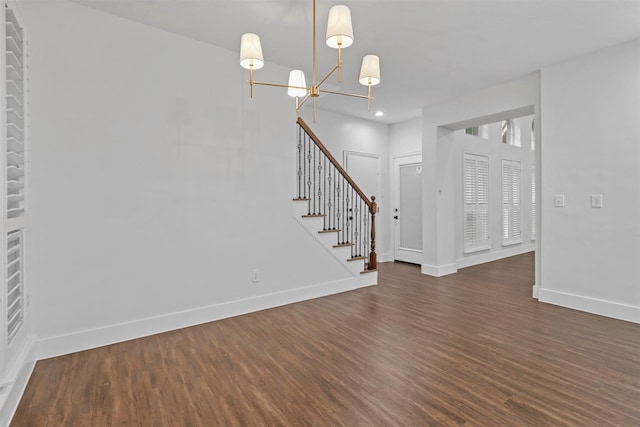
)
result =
(395, 217)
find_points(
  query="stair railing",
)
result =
(332, 194)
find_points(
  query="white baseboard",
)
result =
(535, 291)
(111, 334)
(438, 270)
(483, 257)
(611, 309)
(15, 383)
(386, 257)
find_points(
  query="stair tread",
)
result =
(329, 231)
(300, 199)
(356, 258)
(343, 245)
(368, 271)
(313, 216)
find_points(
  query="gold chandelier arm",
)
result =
(315, 109)
(354, 95)
(303, 101)
(277, 85)
(336, 67)
(251, 81)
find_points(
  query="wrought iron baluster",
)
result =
(338, 212)
(324, 190)
(319, 167)
(356, 229)
(365, 240)
(312, 175)
(308, 173)
(331, 191)
(299, 162)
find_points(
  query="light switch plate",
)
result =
(558, 200)
(596, 200)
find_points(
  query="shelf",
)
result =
(14, 131)
(14, 117)
(14, 145)
(14, 159)
(13, 86)
(14, 185)
(14, 328)
(13, 45)
(12, 250)
(14, 262)
(14, 91)
(14, 121)
(17, 313)
(13, 73)
(14, 31)
(11, 18)
(13, 213)
(14, 172)
(13, 276)
(15, 201)
(14, 102)
(14, 60)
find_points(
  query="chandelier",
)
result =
(339, 36)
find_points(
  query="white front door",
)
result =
(407, 211)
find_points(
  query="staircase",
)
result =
(333, 209)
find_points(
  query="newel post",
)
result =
(373, 264)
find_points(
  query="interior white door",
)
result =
(407, 212)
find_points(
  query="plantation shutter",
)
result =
(533, 202)
(15, 290)
(476, 202)
(511, 202)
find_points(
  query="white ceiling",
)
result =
(430, 50)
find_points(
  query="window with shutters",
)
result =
(511, 132)
(533, 202)
(533, 134)
(511, 201)
(476, 203)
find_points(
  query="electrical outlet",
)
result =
(255, 276)
(558, 200)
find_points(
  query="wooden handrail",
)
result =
(373, 207)
(334, 162)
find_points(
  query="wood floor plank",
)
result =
(469, 349)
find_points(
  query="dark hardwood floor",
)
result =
(469, 349)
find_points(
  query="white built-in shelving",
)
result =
(14, 114)
(15, 335)
(15, 288)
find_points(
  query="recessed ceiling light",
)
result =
(379, 114)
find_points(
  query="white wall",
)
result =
(405, 138)
(591, 145)
(157, 184)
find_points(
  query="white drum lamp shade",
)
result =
(251, 52)
(339, 28)
(296, 78)
(370, 70)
